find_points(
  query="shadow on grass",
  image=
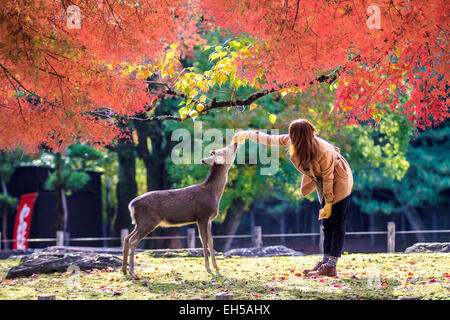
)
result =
(350, 289)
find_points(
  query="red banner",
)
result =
(23, 220)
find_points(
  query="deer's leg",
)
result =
(211, 247)
(202, 228)
(134, 241)
(126, 246)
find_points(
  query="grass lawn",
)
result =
(360, 276)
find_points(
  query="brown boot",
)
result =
(324, 270)
(316, 267)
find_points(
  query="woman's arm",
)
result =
(326, 163)
(263, 138)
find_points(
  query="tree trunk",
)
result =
(231, 223)
(61, 203)
(434, 224)
(403, 224)
(282, 228)
(5, 218)
(371, 228)
(126, 188)
(415, 223)
(157, 174)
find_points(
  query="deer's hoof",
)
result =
(132, 274)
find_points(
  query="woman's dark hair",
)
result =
(303, 146)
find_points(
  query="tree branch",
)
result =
(214, 104)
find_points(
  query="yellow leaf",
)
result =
(223, 78)
(183, 112)
(253, 106)
(170, 55)
(193, 114)
(193, 92)
(272, 118)
(213, 56)
(143, 74)
(200, 107)
(202, 99)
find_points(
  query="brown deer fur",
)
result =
(176, 207)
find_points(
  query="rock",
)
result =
(270, 251)
(176, 253)
(93, 250)
(224, 296)
(409, 298)
(56, 261)
(429, 247)
(47, 297)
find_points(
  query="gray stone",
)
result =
(59, 261)
(176, 253)
(93, 250)
(429, 247)
(409, 298)
(270, 251)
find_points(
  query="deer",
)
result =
(196, 204)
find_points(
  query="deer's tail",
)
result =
(131, 208)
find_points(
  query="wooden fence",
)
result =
(256, 237)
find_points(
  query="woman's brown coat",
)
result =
(330, 167)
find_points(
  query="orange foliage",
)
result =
(52, 76)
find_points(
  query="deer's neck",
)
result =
(217, 178)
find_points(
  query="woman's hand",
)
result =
(325, 213)
(241, 136)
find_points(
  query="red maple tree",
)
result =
(380, 51)
(57, 65)
(53, 75)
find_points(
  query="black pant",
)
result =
(334, 228)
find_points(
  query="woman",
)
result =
(323, 169)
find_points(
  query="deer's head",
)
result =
(224, 156)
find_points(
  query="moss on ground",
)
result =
(361, 276)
